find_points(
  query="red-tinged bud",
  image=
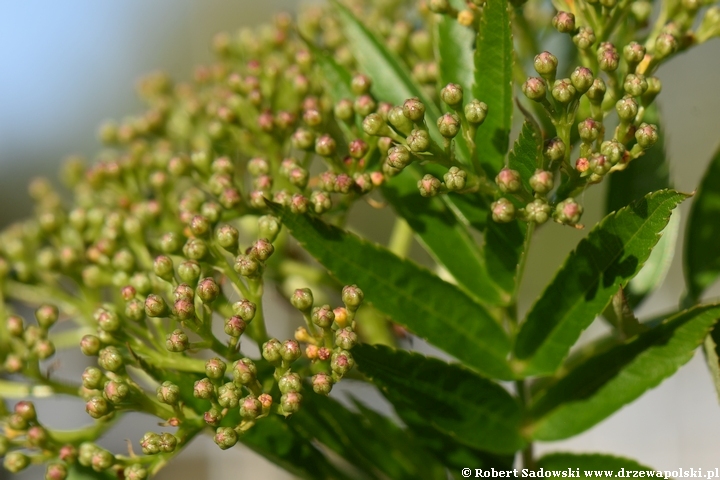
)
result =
(324, 353)
(98, 407)
(135, 471)
(244, 371)
(584, 38)
(534, 88)
(312, 118)
(168, 393)
(346, 338)
(195, 249)
(344, 110)
(225, 437)
(365, 105)
(646, 135)
(542, 181)
(46, 316)
(290, 351)
(311, 352)
(110, 359)
(325, 146)
(665, 45)
(16, 462)
(343, 183)
(360, 84)
(93, 378)
(204, 389)
(449, 125)
(564, 22)
(303, 139)
(250, 408)
(26, 410)
(15, 326)
(627, 109)
(290, 402)
(589, 130)
(90, 345)
(414, 110)
(155, 306)
(635, 85)
(582, 165)
(503, 210)
(322, 383)
(341, 362)
(302, 299)
(546, 64)
(608, 59)
(633, 53)
(568, 212)
(476, 112)
(563, 90)
(452, 95)
(429, 186)
(290, 382)
(271, 351)
(150, 443)
(116, 392)
(613, 151)
(599, 164)
(177, 341)
(508, 181)
(229, 395)
(107, 320)
(582, 79)
(215, 368)
(56, 471)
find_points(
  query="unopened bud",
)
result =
(546, 64)
(564, 22)
(646, 135)
(503, 210)
(452, 94)
(584, 38)
(414, 110)
(568, 212)
(508, 181)
(177, 341)
(534, 88)
(455, 179)
(541, 181)
(429, 186)
(475, 112)
(537, 211)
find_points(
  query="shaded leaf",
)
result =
(712, 356)
(455, 51)
(476, 411)
(503, 248)
(443, 236)
(612, 254)
(608, 465)
(702, 255)
(337, 78)
(606, 382)
(526, 152)
(493, 84)
(446, 316)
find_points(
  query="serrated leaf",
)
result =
(443, 236)
(337, 79)
(712, 357)
(605, 383)
(455, 51)
(413, 296)
(474, 410)
(607, 466)
(493, 84)
(525, 153)
(364, 439)
(702, 255)
(612, 254)
(504, 244)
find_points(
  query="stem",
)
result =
(520, 272)
(527, 453)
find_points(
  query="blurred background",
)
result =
(67, 66)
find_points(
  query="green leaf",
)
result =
(367, 440)
(643, 175)
(606, 382)
(78, 472)
(455, 51)
(504, 243)
(606, 465)
(443, 236)
(474, 410)
(416, 298)
(612, 254)
(702, 255)
(526, 152)
(337, 78)
(712, 357)
(493, 84)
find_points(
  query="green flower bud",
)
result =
(110, 359)
(168, 442)
(564, 22)
(246, 265)
(258, 166)
(398, 120)
(582, 79)
(37, 436)
(141, 283)
(116, 392)
(633, 53)
(475, 112)
(93, 378)
(32, 335)
(16, 462)
(568, 212)
(17, 422)
(150, 443)
(213, 417)
(452, 94)
(537, 211)
(358, 148)
(290, 382)
(177, 341)
(429, 186)
(44, 349)
(107, 320)
(189, 272)
(418, 140)
(302, 299)
(455, 179)
(269, 227)
(184, 292)
(98, 407)
(250, 408)
(135, 472)
(225, 437)
(541, 181)
(439, 6)
(199, 226)
(320, 202)
(155, 306)
(346, 338)
(86, 452)
(90, 345)
(271, 351)
(589, 130)
(262, 249)
(563, 90)
(235, 326)
(635, 85)
(373, 124)
(204, 389)
(627, 109)
(290, 402)
(646, 135)
(325, 146)
(46, 316)
(208, 290)
(303, 139)
(360, 84)
(290, 351)
(534, 88)
(596, 92)
(665, 45)
(508, 181)
(414, 110)
(341, 362)
(229, 395)
(56, 471)
(584, 38)
(245, 309)
(215, 368)
(546, 64)
(15, 326)
(163, 268)
(195, 249)
(344, 110)
(168, 393)
(184, 309)
(322, 383)
(68, 454)
(26, 410)
(365, 105)
(352, 297)
(608, 58)
(449, 125)
(599, 164)
(312, 118)
(124, 261)
(244, 371)
(503, 210)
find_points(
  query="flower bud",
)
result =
(141, 283)
(189, 272)
(341, 362)
(302, 299)
(262, 249)
(346, 338)
(244, 309)
(271, 351)
(627, 109)
(93, 378)
(15, 326)
(250, 408)
(44, 349)
(546, 64)
(399, 157)
(564, 22)
(534, 88)
(290, 402)
(56, 471)
(225, 437)
(365, 105)
(344, 110)
(168, 393)
(582, 79)
(68, 454)
(229, 395)
(150, 443)
(635, 85)
(568, 212)
(177, 341)
(613, 151)
(107, 320)
(563, 90)
(541, 181)
(246, 265)
(16, 462)
(589, 130)
(155, 306)
(227, 237)
(290, 351)
(195, 249)
(46, 316)
(608, 58)
(258, 166)
(633, 53)
(503, 210)
(665, 45)
(269, 227)
(414, 110)
(429, 186)
(537, 211)
(360, 84)
(290, 382)
(208, 290)
(596, 92)
(303, 139)
(475, 112)
(98, 407)
(244, 371)
(554, 149)
(449, 125)
(418, 140)
(204, 389)
(599, 164)
(508, 181)
(452, 94)
(135, 472)
(26, 410)
(584, 38)
(235, 326)
(439, 6)
(455, 179)
(110, 359)
(352, 297)
(325, 146)
(215, 368)
(646, 135)
(322, 383)
(90, 345)
(116, 392)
